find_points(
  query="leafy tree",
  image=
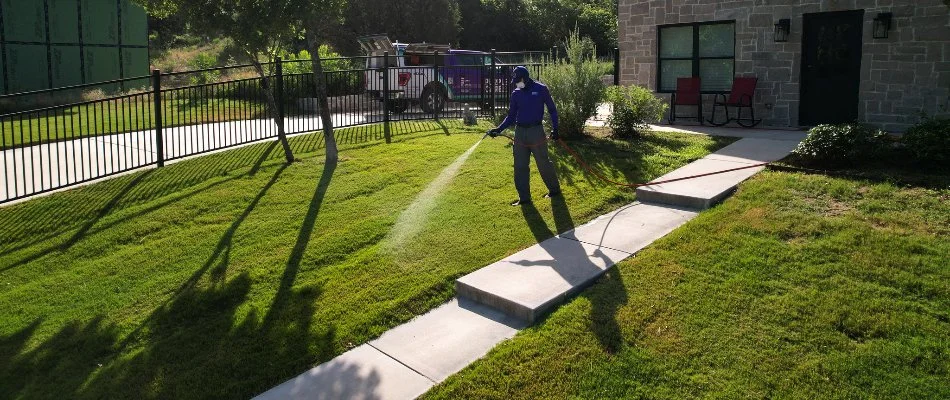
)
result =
(318, 19)
(536, 24)
(263, 30)
(595, 19)
(257, 27)
(433, 21)
(499, 24)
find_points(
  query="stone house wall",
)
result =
(902, 77)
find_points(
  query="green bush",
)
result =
(575, 85)
(332, 61)
(633, 108)
(605, 67)
(204, 61)
(341, 75)
(929, 141)
(833, 145)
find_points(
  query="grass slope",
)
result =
(800, 286)
(225, 275)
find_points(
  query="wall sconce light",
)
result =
(781, 30)
(882, 25)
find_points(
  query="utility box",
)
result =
(46, 44)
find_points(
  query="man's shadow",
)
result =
(568, 257)
(572, 261)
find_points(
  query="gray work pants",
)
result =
(530, 141)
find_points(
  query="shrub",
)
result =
(633, 108)
(204, 61)
(833, 145)
(605, 67)
(332, 61)
(929, 141)
(575, 85)
(339, 83)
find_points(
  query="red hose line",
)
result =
(594, 172)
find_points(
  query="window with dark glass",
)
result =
(706, 50)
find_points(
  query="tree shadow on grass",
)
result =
(207, 341)
(54, 214)
(220, 258)
(606, 157)
(204, 344)
(610, 297)
(300, 246)
(620, 160)
(105, 210)
(363, 136)
(222, 251)
(32, 222)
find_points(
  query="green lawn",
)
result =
(118, 116)
(225, 275)
(800, 286)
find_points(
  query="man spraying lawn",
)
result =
(526, 112)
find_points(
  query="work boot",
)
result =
(520, 203)
(552, 195)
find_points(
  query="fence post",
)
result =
(386, 131)
(616, 66)
(556, 55)
(492, 84)
(435, 76)
(279, 64)
(157, 113)
(482, 101)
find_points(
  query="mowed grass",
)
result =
(800, 286)
(132, 113)
(225, 275)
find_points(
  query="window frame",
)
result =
(695, 58)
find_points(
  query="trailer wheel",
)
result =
(433, 99)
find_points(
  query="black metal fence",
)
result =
(56, 138)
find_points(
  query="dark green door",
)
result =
(831, 67)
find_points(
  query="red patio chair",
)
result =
(687, 94)
(743, 90)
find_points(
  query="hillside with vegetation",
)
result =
(505, 25)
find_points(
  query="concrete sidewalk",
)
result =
(496, 301)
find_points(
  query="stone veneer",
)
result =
(902, 77)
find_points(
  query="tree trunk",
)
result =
(320, 83)
(272, 102)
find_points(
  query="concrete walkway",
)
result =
(496, 301)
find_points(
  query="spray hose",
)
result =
(600, 176)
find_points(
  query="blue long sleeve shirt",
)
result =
(527, 106)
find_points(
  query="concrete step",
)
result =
(701, 193)
(631, 227)
(531, 282)
(705, 192)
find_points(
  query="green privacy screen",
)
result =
(54, 43)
